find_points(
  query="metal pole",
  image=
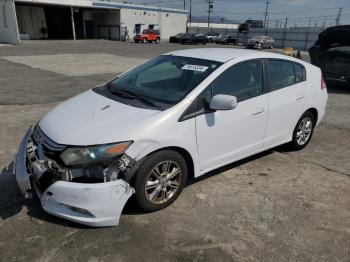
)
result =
(307, 34)
(338, 17)
(72, 19)
(210, 6)
(185, 4)
(190, 12)
(284, 32)
(267, 7)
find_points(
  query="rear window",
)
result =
(281, 74)
(285, 73)
(299, 73)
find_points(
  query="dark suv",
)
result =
(244, 28)
(331, 52)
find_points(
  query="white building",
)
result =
(92, 19)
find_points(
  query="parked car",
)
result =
(331, 53)
(176, 38)
(226, 40)
(148, 36)
(176, 116)
(260, 42)
(212, 37)
(194, 39)
(244, 28)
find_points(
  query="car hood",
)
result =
(91, 119)
(334, 37)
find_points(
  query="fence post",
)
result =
(307, 34)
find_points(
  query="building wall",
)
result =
(167, 23)
(31, 19)
(8, 23)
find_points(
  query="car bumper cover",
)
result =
(92, 204)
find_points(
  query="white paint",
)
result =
(8, 23)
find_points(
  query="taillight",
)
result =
(323, 83)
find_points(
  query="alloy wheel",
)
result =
(163, 182)
(304, 131)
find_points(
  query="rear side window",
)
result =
(299, 73)
(243, 81)
(281, 74)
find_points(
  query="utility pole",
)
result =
(210, 7)
(267, 8)
(338, 17)
(324, 22)
(184, 4)
(190, 11)
(284, 32)
(307, 34)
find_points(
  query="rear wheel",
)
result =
(303, 131)
(272, 46)
(160, 180)
(144, 41)
(157, 41)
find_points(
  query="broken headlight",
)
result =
(87, 155)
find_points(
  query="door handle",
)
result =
(300, 97)
(258, 112)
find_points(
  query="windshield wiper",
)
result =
(132, 95)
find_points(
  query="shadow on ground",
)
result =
(12, 202)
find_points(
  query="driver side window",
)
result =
(244, 80)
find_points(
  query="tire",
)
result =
(306, 126)
(157, 41)
(154, 198)
(272, 46)
(144, 41)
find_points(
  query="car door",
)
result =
(226, 136)
(286, 100)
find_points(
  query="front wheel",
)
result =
(303, 131)
(272, 46)
(144, 41)
(157, 41)
(160, 180)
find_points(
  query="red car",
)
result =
(148, 36)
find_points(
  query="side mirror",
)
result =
(223, 102)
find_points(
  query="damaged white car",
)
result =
(178, 115)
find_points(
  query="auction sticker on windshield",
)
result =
(195, 68)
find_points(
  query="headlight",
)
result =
(86, 155)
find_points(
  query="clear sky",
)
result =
(298, 11)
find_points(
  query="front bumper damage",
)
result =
(92, 204)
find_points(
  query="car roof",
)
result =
(225, 54)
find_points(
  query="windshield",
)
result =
(165, 79)
(258, 38)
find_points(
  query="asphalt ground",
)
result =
(276, 206)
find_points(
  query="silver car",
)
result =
(260, 42)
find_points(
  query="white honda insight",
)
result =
(178, 115)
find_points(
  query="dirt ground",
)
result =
(276, 206)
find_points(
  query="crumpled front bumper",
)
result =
(92, 204)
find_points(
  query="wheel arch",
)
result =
(186, 155)
(314, 112)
